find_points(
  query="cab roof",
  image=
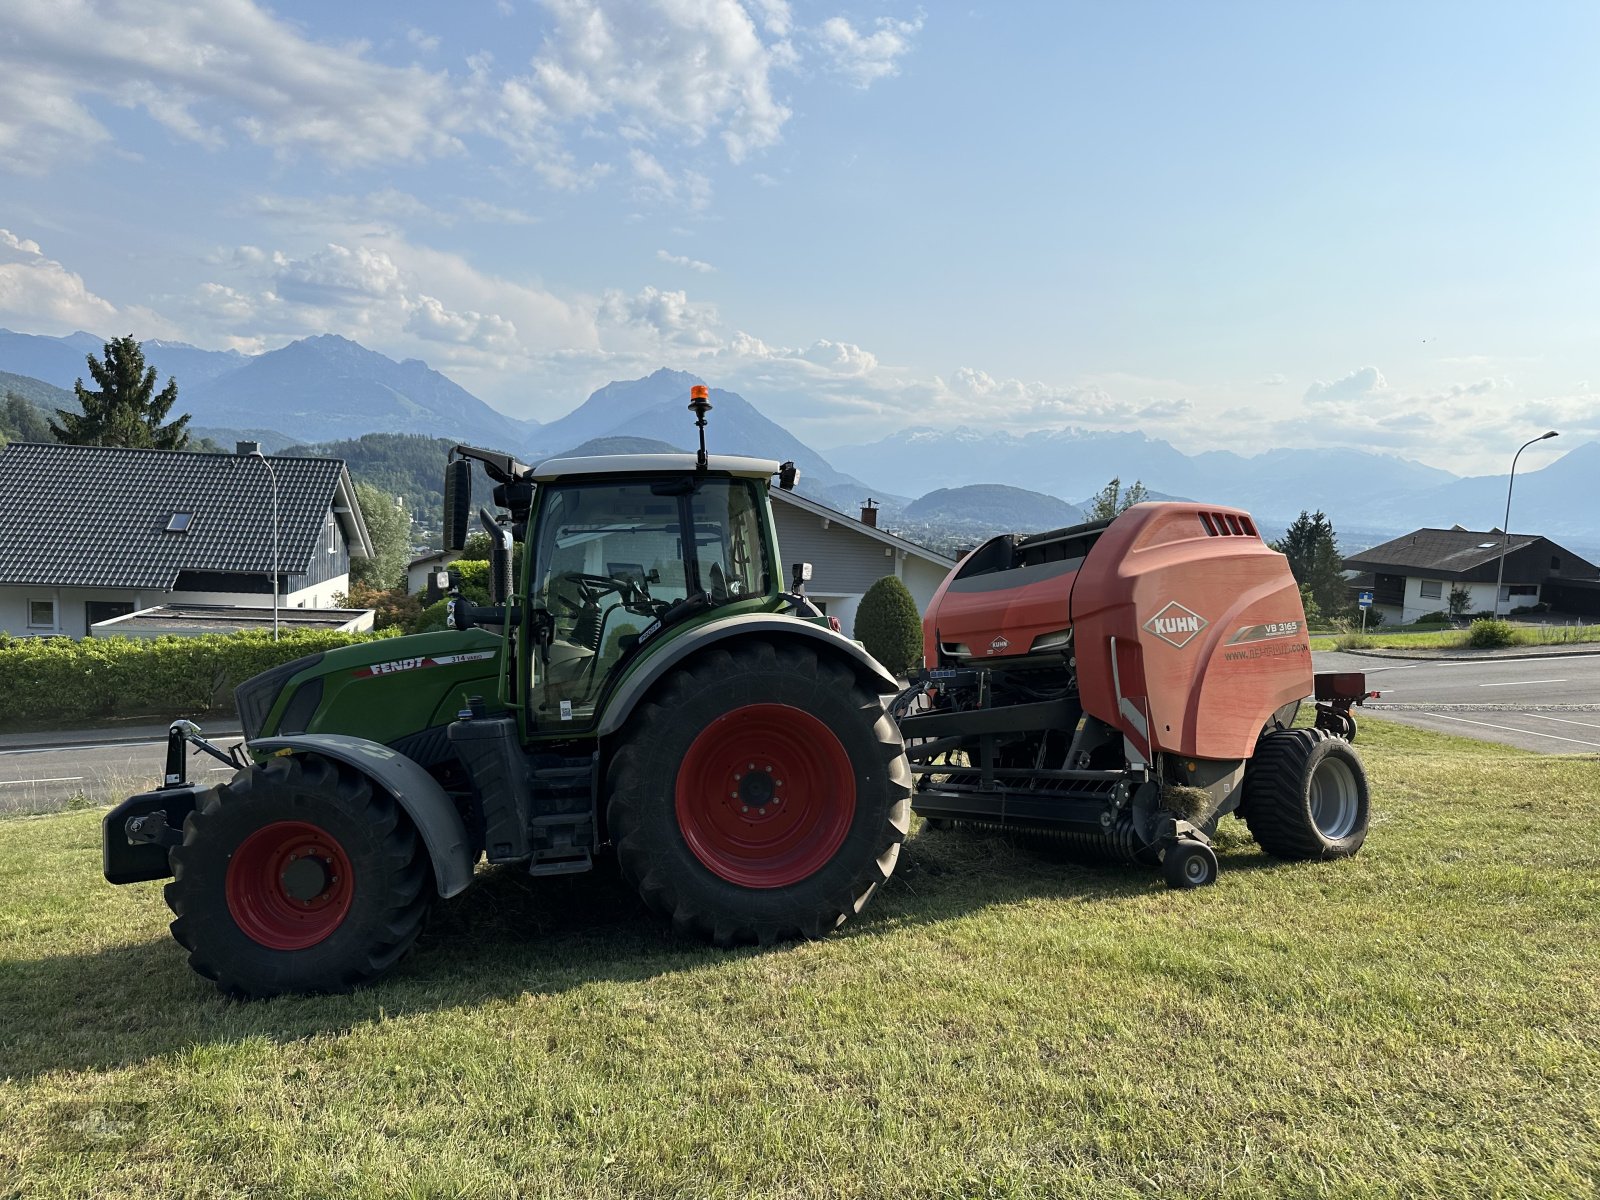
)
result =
(652, 464)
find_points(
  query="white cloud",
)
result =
(41, 295)
(653, 183)
(663, 77)
(496, 214)
(237, 64)
(775, 16)
(1360, 383)
(432, 320)
(683, 70)
(865, 58)
(683, 260)
(669, 317)
(422, 39)
(385, 209)
(395, 296)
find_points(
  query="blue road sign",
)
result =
(1364, 599)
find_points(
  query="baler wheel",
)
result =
(297, 876)
(760, 794)
(1189, 864)
(1305, 795)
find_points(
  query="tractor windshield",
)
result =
(611, 558)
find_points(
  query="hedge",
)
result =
(56, 680)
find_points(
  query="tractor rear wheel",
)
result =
(760, 794)
(1305, 795)
(297, 876)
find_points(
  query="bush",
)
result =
(1353, 641)
(391, 607)
(471, 575)
(58, 680)
(889, 626)
(1433, 618)
(430, 619)
(1488, 635)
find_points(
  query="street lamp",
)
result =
(1505, 529)
(274, 477)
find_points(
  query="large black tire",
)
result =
(297, 876)
(759, 794)
(1305, 795)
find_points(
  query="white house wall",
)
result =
(845, 562)
(70, 615)
(1480, 599)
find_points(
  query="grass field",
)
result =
(1419, 1021)
(1448, 639)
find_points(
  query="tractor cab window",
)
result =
(610, 558)
(727, 525)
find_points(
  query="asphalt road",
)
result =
(42, 780)
(1549, 704)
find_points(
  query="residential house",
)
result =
(1415, 574)
(420, 570)
(848, 555)
(89, 533)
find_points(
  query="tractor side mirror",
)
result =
(499, 557)
(802, 576)
(457, 503)
(788, 476)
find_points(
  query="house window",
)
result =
(1555, 562)
(41, 614)
(179, 522)
(333, 535)
(1432, 589)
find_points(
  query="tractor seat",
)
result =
(568, 661)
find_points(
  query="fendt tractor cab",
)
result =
(645, 686)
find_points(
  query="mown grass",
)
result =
(1450, 639)
(1417, 1021)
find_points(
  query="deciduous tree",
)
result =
(389, 528)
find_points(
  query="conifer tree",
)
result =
(126, 410)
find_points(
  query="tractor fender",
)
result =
(872, 672)
(418, 793)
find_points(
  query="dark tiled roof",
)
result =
(94, 516)
(1448, 551)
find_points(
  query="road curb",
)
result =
(73, 739)
(1482, 656)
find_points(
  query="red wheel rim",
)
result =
(765, 795)
(289, 885)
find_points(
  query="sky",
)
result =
(1229, 225)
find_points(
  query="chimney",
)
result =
(869, 513)
(244, 448)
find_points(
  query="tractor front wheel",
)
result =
(760, 794)
(1305, 795)
(297, 876)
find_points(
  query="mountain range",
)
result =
(328, 388)
(321, 388)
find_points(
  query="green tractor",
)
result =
(647, 688)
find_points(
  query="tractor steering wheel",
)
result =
(594, 588)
